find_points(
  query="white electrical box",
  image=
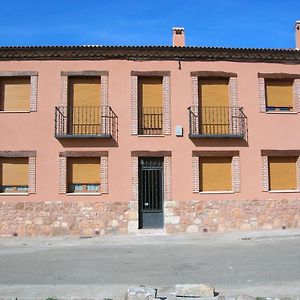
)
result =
(179, 130)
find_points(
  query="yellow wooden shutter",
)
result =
(14, 171)
(213, 92)
(150, 91)
(215, 173)
(213, 105)
(84, 96)
(84, 170)
(16, 93)
(282, 173)
(84, 91)
(279, 93)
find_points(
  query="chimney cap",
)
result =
(181, 28)
(297, 23)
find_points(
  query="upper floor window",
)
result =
(15, 93)
(279, 92)
(279, 95)
(14, 174)
(150, 105)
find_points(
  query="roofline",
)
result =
(96, 52)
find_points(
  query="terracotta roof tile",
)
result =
(95, 52)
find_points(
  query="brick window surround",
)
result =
(134, 203)
(103, 155)
(104, 84)
(262, 88)
(232, 86)
(265, 168)
(166, 99)
(235, 168)
(31, 166)
(33, 84)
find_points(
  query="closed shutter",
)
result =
(84, 96)
(213, 104)
(279, 93)
(150, 94)
(213, 92)
(84, 170)
(14, 171)
(15, 94)
(282, 173)
(215, 174)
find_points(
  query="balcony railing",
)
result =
(150, 121)
(85, 122)
(219, 122)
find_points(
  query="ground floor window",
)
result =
(83, 174)
(282, 172)
(14, 174)
(215, 174)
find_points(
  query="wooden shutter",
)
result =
(282, 173)
(150, 94)
(213, 92)
(150, 91)
(15, 94)
(14, 171)
(215, 174)
(279, 93)
(84, 96)
(213, 105)
(83, 170)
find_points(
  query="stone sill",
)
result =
(217, 192)
(14, 194)
(83, 194)
(284, 191)
(282, 112)
(14, 111)
(149, 135)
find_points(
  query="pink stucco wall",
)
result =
(35, 130)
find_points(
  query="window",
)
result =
(150, 105)
(83, 174)
(282, 173)
(214, 105)
(215, 174)
(14, 174)
(15, 93)
(84, 105)
(279, 94)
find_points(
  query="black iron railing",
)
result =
(85, 121)
(209, 121)
(150, 121)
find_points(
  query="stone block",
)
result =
(172, 220)
(192, 229)
(194, 290)
(132, 226)
(140, 293)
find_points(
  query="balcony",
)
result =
(150, 121)
(217, 122)
(85, 122)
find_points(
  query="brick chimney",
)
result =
(178, 37)
(297, 34)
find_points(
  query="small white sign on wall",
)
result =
(179, 130)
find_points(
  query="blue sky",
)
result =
(224, 23)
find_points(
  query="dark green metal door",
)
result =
(151, 192)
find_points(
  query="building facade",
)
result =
(114, 140)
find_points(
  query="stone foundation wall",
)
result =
(207, 216)
(62, 218)
(101, 218)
